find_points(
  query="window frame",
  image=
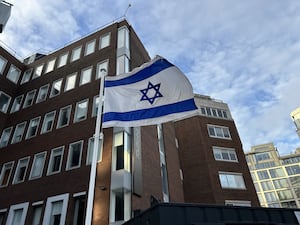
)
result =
(74, 51)
(11, 166)
(52, 91)
(60, 64)
(70, 155)
(84, 101)
(38, 119)
(17, 171)
(33, 92)
(231, 185)
(12, 109)
(44, 120)
(4, 64)
(102, 40)
(224, 150)
(95, 105)
(58, 125)
(98, 69)
(52, 155)
(4, 108)
(11, 213)
(38, 99)
(38, 70)
(33, 166)
(67, 82)
(88, 51)
(26, 76)
(84, 73)
(13, 141)
(214, 127)
(50, 65)
(16, 69)
(2, 137)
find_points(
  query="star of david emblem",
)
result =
(151, 93)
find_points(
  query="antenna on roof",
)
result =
(129, 5)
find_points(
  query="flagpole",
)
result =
(97, 137)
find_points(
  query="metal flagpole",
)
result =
(97, 137)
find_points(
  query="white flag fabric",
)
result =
(154, 93)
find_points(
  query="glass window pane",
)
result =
(56, 88)
(76, 54)
(81, 111)
(4, 102)
(70, 82)
(90, 47)
(62, 60)
(102, 69)
(104, 40)
(17, 104)
(38, 71)
(26, 76)
(2, 64)
(50, 65)
(13, 74)
(86, 75)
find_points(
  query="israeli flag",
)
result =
(154, 93)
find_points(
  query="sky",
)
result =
(245, 53)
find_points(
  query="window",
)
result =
(290, 204)
(5, 137)
(55, 160)
(21, 170)
(42, 95)
(2, 64)
(281, 183)
(56, 87)
(278, 172)
(293, 170)
(263, 174)
(123, 37)
(29, 99)
(90, 47)
(37, 214)
(95, 106)
(122, 64)
(119, 206)
(13, 74)
(232, 180)
(238, 203)
(267, 185)
(37, 165)
(104, 41)
(74, 155)
(18, 134)
(62, 60)
(26, 76)
(48, 122)
(4, 102)
(224, 154)
(50, 65)
(81, 110)
(218, 132)
(86, 75)
(33, 127)
(38, 71)
(64, 117)
(102, 69)
(285, 195)
(17, 104)
(75, 54)
(2, 214)
(56, 210)
(91, 150)
(79, 210)
(262, 156)
(6, 173)
(119, 146)
(17, 214)
(70, 82)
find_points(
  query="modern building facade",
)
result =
(276, 178)
(48, 107)
(295, 115)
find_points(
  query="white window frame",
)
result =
(70, 155)
(95, 105)
(90, 47)
(38, 119)
(3, 65)
(13, 69)
(78, 55)
(86, 73)
(14, 107)
(2, 137)
(53, 154)
(91, 150)
(33, 167)
(104, 40)
(102, 68)
(221, 151)
(214, 127)
(6, 106)
(24, 160)
(52, 92)
(11, 166)
(76, 119)
(43, 131)
(63, 57)
(122, 64)
(13, 140)
(69, 107)
(50, 65)
(38, 70)
(26, 99)
(11, 213)
(231, 185)
(26, 76)
(69, 87)
(38, 98)
(48, 210)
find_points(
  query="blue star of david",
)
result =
(154, 96)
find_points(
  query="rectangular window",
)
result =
(4, 102)
(50, 65)
(56, 88)
(13, 74)
(81, 110)
(6, 173)
(56, 210)
(70, 82)
(17, 104)
(95, 106)
(267, 185)
(64, 117)
(48, 122)
(232, 180)
(262, 156)
(102, 69)
(122, 64)
(119, 146)
(26, 76)
(29, 99)
(2, 64)
(293, 170)
(91, 150)
(225, 154)
(271, 197)
(75, 54)
(218, 132)
(263, 174)
(62, 60)
(119, 206)
(104, 41)
(55, 160)
(21, 170)
(17, 214)
(86, 75)
(281, 183)
(42, 95)
(37, 166)
(18, 134)
(285, 195)
(278, 172)
(90, 47)
(37, 214)
(5, 137)
(123, 37)
(33, 127)
(74, 155)
(38, 71)
(79, 211)
(2, 212)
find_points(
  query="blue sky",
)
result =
(245, 53)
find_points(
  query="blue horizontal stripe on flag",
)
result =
(183, 106)
(143, 74)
